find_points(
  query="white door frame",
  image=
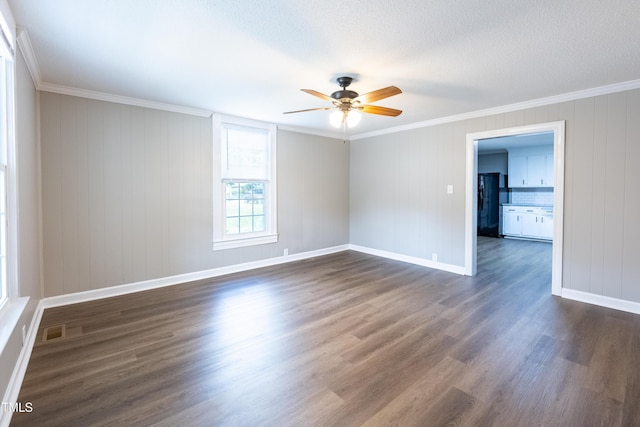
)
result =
(471, 188)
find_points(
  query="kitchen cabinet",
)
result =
(546, 224)
(530, 224)
(531, 167)
(527, 222)
(536, 170)
(517, 171)
(511, 224)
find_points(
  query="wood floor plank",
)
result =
(403, 410)
(631, 408)
(344, 339)
(612, 349)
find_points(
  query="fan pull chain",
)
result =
(344, 131)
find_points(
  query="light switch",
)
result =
(449, 189)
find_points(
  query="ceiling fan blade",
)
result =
(383, 111)
(377, 95)
(308, 109)
(318, 94)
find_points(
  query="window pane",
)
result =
(231, 190)
(246, 190)
(246, 224)
(232, 226)
(245, 208)
(233, 208)
(258, 223)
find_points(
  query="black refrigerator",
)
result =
(489, 203)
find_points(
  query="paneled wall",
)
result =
(27, 183)
(399, 201)
(127, 195)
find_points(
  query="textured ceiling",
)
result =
(250, 58)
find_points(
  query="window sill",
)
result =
(219, 245)
(9, 318)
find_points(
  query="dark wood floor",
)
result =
(343, 340)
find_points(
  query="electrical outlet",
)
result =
(449, 189)
(286, 252)
(434, 257)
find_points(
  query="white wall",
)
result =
(399, 201)
(127, 195)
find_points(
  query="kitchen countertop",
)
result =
(531, 205)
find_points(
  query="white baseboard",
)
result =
(410, 259)
(601, 300)
(95, 294)
(144, 285)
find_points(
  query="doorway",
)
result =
(471, 190)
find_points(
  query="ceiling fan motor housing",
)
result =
(344, 94)
(344, 82)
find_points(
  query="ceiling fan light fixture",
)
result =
(335, 118)
(353, 118)
(348, 105)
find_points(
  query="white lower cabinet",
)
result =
(530, 225)
(546, 224)
(511, 222)
(527, 222)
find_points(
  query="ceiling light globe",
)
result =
(336, 119)
(353, 118)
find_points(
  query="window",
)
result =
(6, 135)
(245, 206)
(3, 234)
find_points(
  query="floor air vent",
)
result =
(54, 332)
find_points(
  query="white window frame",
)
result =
(221, 240)
(4, 288)
(10, 291)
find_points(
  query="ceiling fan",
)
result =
(348, 103)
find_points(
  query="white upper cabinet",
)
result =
(531, 166)
(517, 171)
(536, 170)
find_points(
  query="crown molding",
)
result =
(119, 99)
(571, 96)
(24, 43)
